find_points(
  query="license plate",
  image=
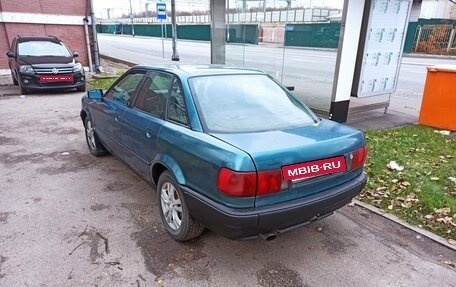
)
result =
(51, 79)
(314, 168)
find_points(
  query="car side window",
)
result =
(177, 111)
(124, 90)
(153, 93)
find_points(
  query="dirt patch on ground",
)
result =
(275, 275)
(2, 260)
(161, 253)
(8, 141)
(99, 206)
(60, 131)
(4, 216)
(117, 186)
(71, 162)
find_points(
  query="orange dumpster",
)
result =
(438, 107)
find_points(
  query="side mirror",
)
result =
(10, 54)
(96, 94)
(75, 54)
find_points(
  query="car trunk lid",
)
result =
(277, 150)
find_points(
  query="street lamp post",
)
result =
(175, 56)
(131, 19)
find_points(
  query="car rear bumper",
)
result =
(278, 218)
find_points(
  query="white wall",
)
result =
(440, 9)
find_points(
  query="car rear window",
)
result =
(246, 103)
(42, 48)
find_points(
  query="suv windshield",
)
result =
(42, 48)
(246, 103)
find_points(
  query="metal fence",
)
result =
(435, 39)
(293, 15)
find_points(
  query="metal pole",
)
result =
(175, 56)
(163, 41)
(86, 30)
(418, 38)
(131, 19)
(94, 35)
(284, 40)
(450, 41)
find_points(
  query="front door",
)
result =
(107, 114)
(141, 124)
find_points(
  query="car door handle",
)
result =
(149, 133)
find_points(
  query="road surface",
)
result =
(310, 71)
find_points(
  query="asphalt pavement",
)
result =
(70, 219)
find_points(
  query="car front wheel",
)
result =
(174, 212)
(95, 147)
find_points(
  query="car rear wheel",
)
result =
(174, 212)
(95, 146)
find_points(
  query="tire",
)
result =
(81, 89)
(173, 210)
(24, 90)
(95, 146)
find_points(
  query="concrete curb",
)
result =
(117, 60)
(397, 220)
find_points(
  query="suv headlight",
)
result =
(26, 69)
(77, 67)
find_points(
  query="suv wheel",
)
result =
(24, 90)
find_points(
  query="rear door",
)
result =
(141, 124)
(107, 114)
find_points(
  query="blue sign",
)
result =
(161, 11)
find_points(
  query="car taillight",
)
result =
(244, 184)
(239, 184)
(359, 157)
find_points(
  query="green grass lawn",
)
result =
(424, 192)
(103, 84)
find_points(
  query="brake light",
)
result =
(238, 184)
(244, 184)
(359, 157)
(269, 182)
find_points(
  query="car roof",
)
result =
(188, 71)
(37, 38)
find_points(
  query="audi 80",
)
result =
(229, 149)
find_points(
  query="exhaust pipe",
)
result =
(269, 236)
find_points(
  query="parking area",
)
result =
(70, 219)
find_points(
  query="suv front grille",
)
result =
(50, 71)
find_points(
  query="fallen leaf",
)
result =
(395, 166)
(449, 263)
(319, 229)
(390, 207)
(435, 178)
(443, 132)
(452, 241)
(351, 204)
(159, 279)
(453, 179)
